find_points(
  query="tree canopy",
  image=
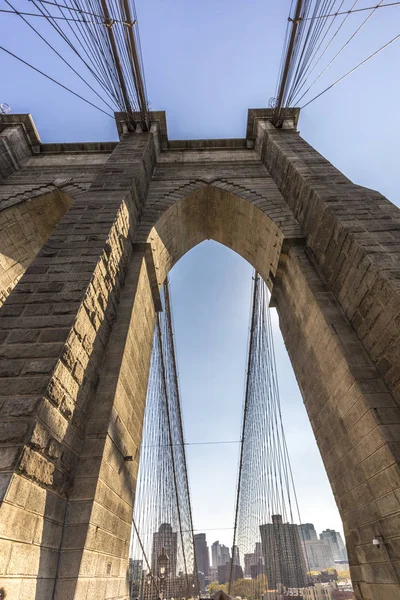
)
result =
(214, 587)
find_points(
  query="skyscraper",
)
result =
(202, 554)
(258, 551)
(317, 554)
(283, 555)
(335, 541)
(252, 560)
(215, 554)
(236, 555)
(135, 577)
(225, 555)
(307, 532)
(224, 572)
(213, 574)
(165, 539)
(248, 562)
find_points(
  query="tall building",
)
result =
(254, 559)
(257, 569)
(317, 554)
(224, 572)
(213, 574)
(165, 539)
(258, 551)
(236, 555)
(283, 555)
(248, 562)
(225, 555)
(335, 541)
(202, 581)
(202, 554)
(136, 575)
(307, 532)
(221, 560)
(216, 554)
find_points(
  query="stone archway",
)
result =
(215, 213)
(115, 420)
(72, 405)
(342, 390)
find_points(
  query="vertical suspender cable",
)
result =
(175, 375)
(253, 320)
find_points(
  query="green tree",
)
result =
(243, 588)
(214, 587)
(251, 589)
(345, 574)
(261, 585)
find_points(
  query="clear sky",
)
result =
(207, 62)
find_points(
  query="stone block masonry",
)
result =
(91, 233)
(68, 298)
(24, 228)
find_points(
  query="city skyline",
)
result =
(318, 550)
(301, 526)
(288, 554)
(211, 555)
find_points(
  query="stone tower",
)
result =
(88, 233)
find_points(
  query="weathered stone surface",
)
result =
(76, 333)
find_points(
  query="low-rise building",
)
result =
(327, 591)
(319, 591)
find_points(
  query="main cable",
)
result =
(104, 35)
(56, 52)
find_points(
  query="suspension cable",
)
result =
(82, 12)
(352, 11)
(353, 69)
(28, 14)
(54, 81)
(265, 534)
(57, 53)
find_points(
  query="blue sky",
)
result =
(211, 294)
(207, 62)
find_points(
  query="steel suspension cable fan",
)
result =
(268, 559)
(163, 561)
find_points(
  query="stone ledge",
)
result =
(157, 117)
(213, 144)
(78, 148)
(28, 126)
(266, 114)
